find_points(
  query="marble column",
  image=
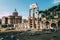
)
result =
(33, 19)
(29, 19)
(38, 24)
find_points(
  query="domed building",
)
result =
(12, 19)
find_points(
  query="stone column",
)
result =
(38, 24)
(33, 19)
(29, 12)
(57, 25)
(41, 24)
(9, 20)
(29, 18)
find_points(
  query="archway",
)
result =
(53, 25)
(47, 23)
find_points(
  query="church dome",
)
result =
(15, 13)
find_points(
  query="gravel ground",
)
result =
(29, 36)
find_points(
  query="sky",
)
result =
(22, 6)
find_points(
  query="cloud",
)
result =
(56, 1)
(4, 13)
